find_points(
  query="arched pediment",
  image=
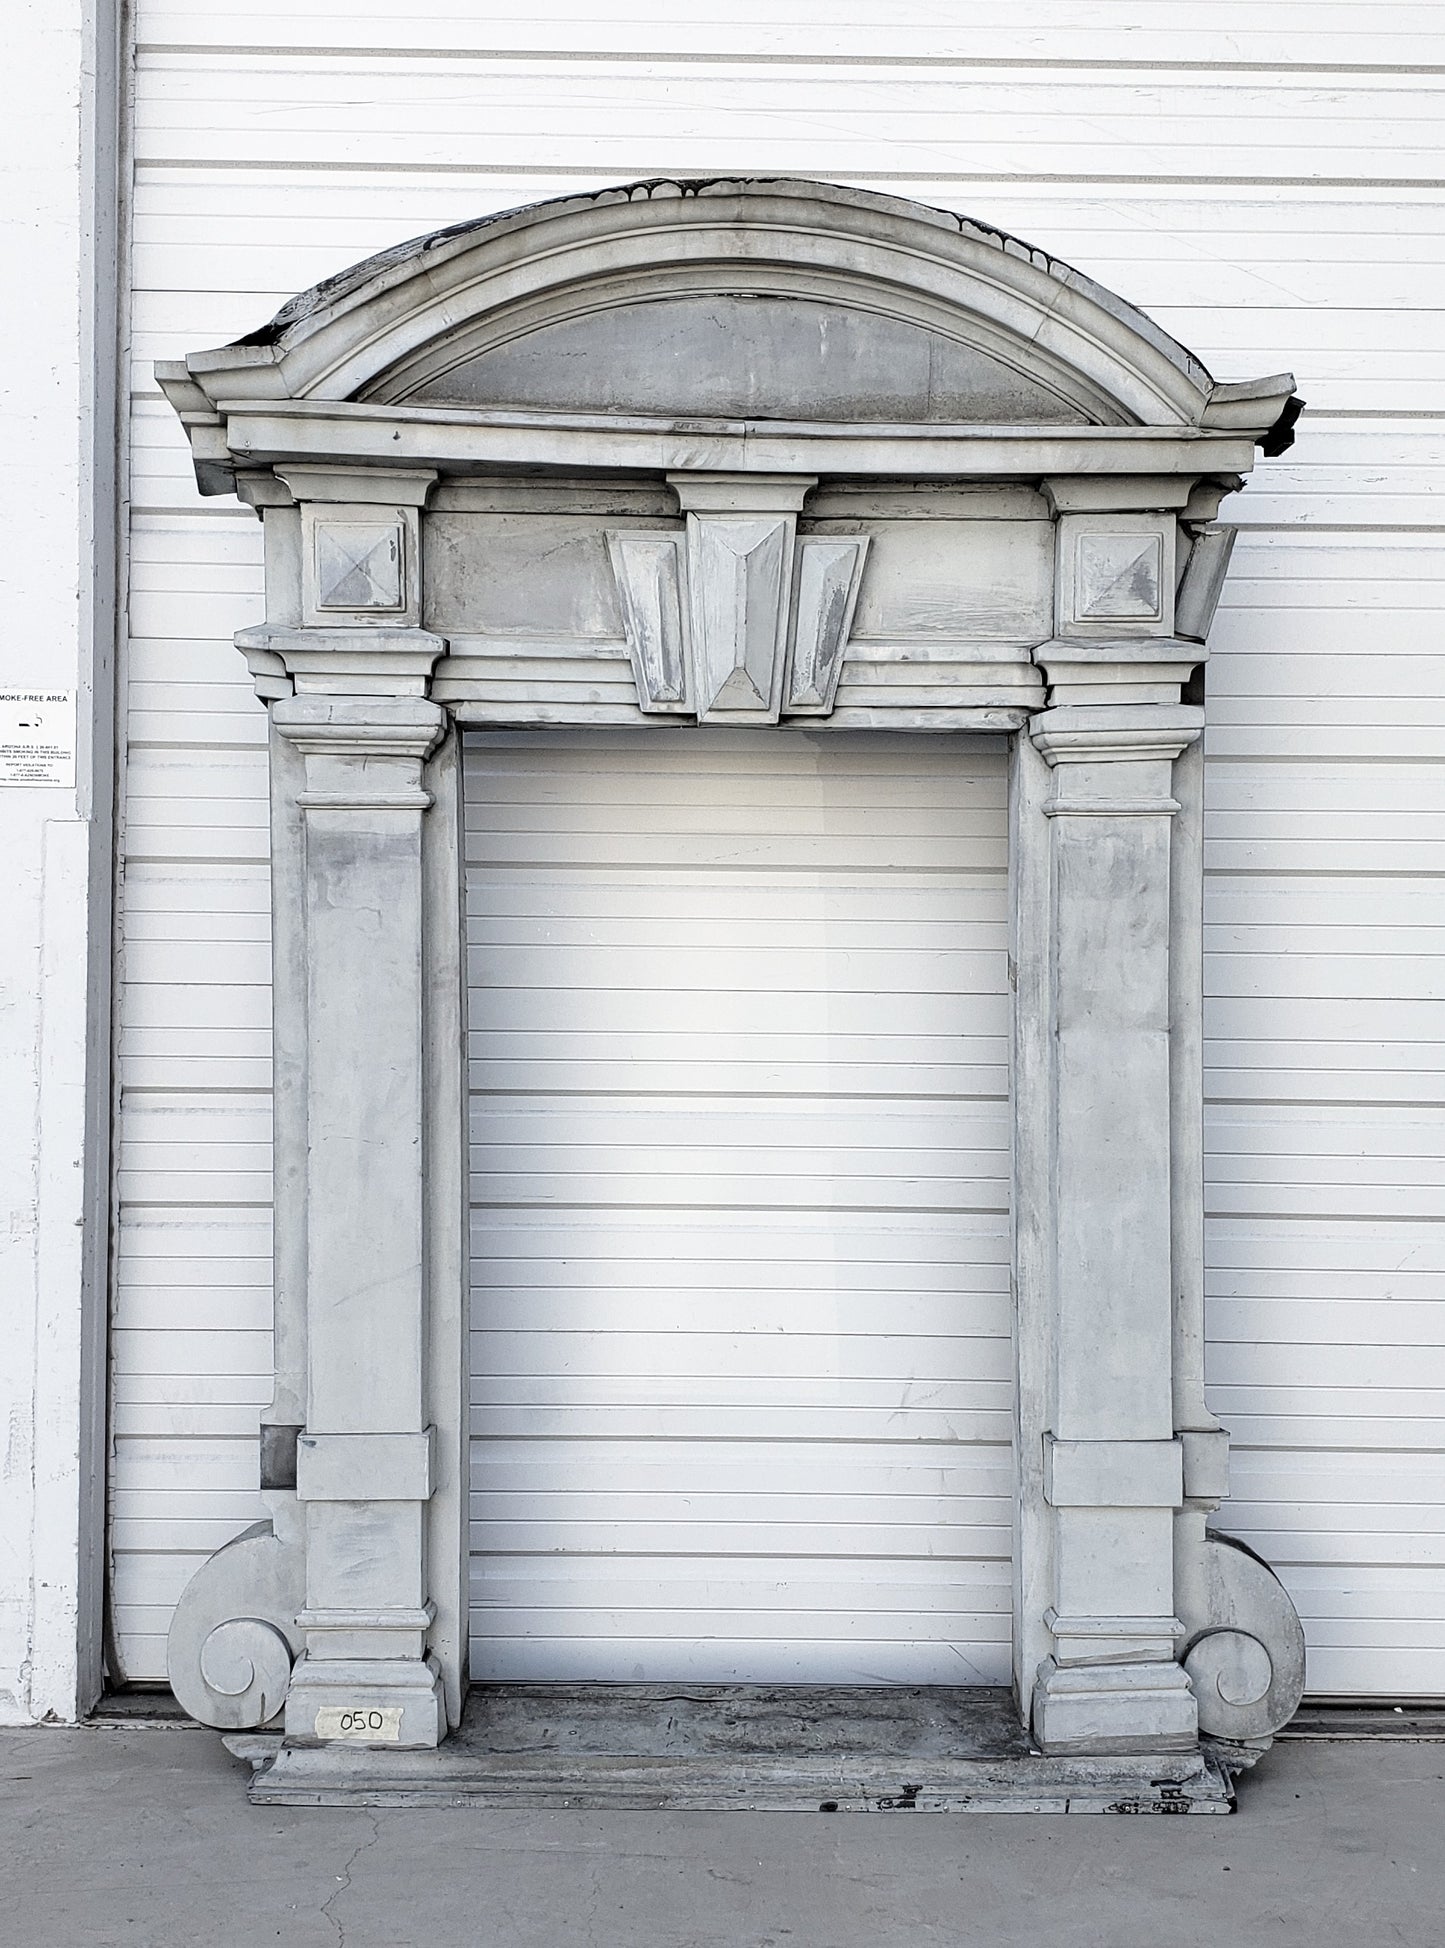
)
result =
(764, 300)
(741, 355)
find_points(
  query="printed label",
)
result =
(370, 1724)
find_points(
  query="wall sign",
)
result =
(37, 737)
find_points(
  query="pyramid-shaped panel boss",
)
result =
(358, 566)
(1119, 577)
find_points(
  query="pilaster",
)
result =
(365, 1465)
(361, 1571)
(1111, 1469)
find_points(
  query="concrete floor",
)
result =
(122, 1837)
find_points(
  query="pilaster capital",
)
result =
(363, 754)
(1115, 733)
(344, 662)
(364, 727)
(1117, 669)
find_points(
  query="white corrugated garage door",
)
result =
(1328, 724)
(1325, 1129)
(741, 1361)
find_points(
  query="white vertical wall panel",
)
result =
(740, 1320)
(1326, 1130)
(191, 1308)
(1224, 169)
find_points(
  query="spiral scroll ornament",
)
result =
(1246, 1656)
(245, 1671)
(233, 1639)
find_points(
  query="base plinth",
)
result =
(1115, 1708)
(740, 1747)
(386, 1701)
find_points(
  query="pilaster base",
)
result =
(1101, 1710)
(381, 1702)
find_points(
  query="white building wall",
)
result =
(1262, 177)
(57, 513)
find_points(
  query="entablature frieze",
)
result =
(734, 596)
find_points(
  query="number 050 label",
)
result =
(374, 1725)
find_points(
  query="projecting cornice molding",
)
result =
(679, 325)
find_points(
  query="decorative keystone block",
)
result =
(648, 570)
(735, 620)
(829, 575)
(738, 575)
